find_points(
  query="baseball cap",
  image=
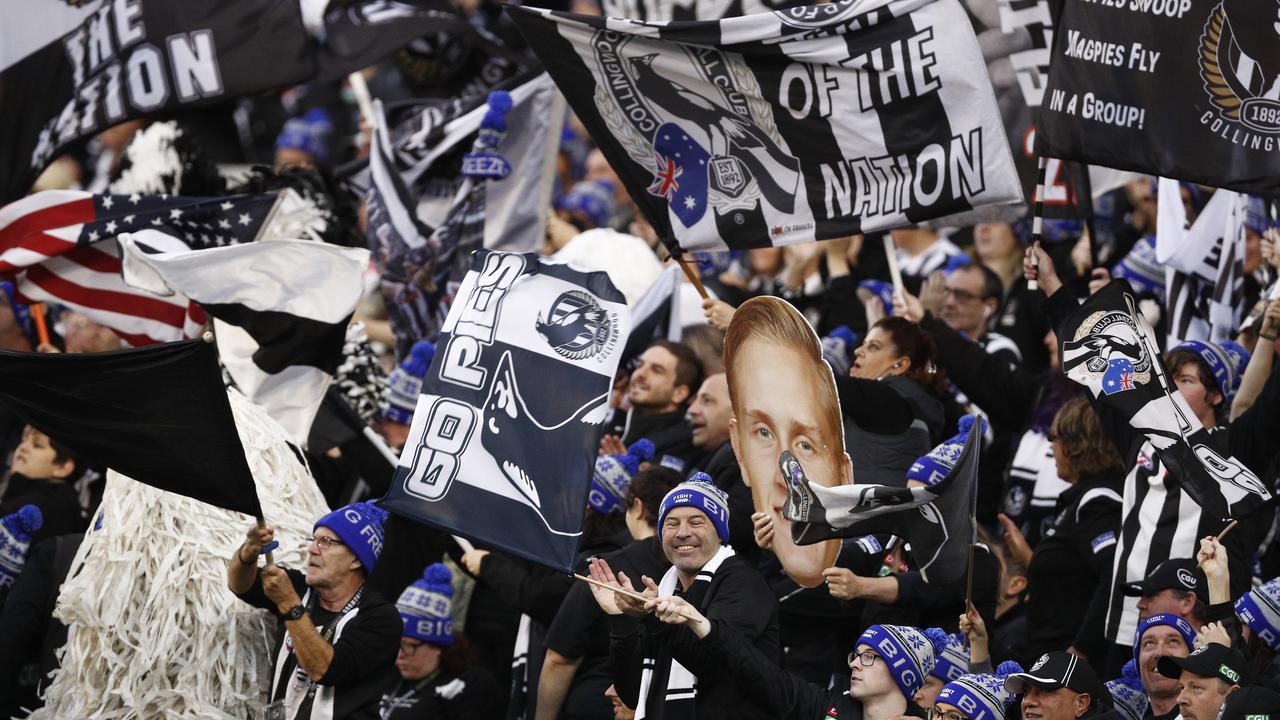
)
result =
(1211, 660)
(1056, 670)
(1251, 703)
(1180, 574)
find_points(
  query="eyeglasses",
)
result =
(324, 542)
(866, 658)
(407, 649)
(934, 714)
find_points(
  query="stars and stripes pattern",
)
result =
(59, 246)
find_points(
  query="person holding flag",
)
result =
(338, 638)
(1165, 438)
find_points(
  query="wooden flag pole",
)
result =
(1226, 530)
(620, 591)
(685, 262)
(42, 327)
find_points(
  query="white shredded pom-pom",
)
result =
(153, 630)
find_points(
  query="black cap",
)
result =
(1251, 703)
(1056, 670)
(1212, 660)
(1181, 574)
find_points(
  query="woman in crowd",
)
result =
(435, 676)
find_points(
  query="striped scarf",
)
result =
(677, 702)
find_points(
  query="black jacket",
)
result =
(1072, 563)
(58, 502)
(670, 433)
(737, 596)
(782, 695)
(473, 693)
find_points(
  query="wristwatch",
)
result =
(295, 612)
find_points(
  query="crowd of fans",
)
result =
(1098, 587)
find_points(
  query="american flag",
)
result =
(59, 246)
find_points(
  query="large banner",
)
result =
(1187, 89)
(668, 10)
(786, 127)
(504, 438)
(133, 58)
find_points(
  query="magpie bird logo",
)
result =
(1240, 63)
(576, 326)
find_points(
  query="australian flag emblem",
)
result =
(681, 176)
(1118, 377)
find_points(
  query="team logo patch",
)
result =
(1186, 578)
(1040, 663)
(1237, 52)
(1110, 348)
(815, 16)
(577, 327)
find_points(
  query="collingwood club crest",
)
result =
(576, 326)
(1110, 347)
(711, 146)
(1240, 63)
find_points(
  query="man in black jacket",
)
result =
(657, 667)
(661, 385)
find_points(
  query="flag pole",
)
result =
(1037, 212)
(376, 440)
(364, 100)
(1226, 530)
(42, 327)
(895, 272)
(685, 261)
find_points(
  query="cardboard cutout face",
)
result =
(784, 398)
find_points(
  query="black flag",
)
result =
(158, 414)
(141, 57)
(937, 520)
(1108, 347)
(1184, 89)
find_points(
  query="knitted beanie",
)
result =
(309, 133)
(910, 653)
(882, 290)
(952, 660)
(1260, 610)
(1128, 694)
(15, 539)
(613, 475)
(593, 198)
(1182, 626)
(933, 468)
(1141, 268)
(1227, 362)
(426, 607)
(837, 349)
(701, 493)
(359, 526)
(405, 382)
(981, 697)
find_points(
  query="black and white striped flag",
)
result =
(786, 127)
(1108, 347)
(1204, 264)
(280, 311)
(505, 434)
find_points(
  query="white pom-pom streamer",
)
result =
(153, 630)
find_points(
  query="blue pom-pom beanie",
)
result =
(613, 475)
(16, 530)
(981, 696)
(1182, 626)
(405, 383)
(909, 652)
(699, 492)
(359, 526)
(933, 468)
(426, 607)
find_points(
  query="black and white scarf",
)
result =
(681, 685)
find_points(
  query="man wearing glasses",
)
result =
(337, 638)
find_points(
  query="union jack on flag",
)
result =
(666, 183)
